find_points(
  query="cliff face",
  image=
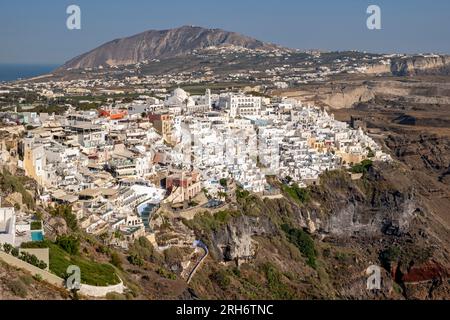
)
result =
(345, 94)
(235, 241)
(416, 65)
(341, 208)
(374, 207)
(421, 65)
(159, 44)
(352, 224)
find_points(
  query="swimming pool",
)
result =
(37, 236)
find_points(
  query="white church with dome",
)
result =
(180, 102)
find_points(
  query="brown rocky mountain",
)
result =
(159, 44)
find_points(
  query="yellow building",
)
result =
(34, 161)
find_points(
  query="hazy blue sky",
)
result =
(35, 31)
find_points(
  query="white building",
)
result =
(7, 225)
(181, 102)
(241, 105)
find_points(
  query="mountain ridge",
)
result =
(157, 44)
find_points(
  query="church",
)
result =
(180, 102)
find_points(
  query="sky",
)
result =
(35, 32)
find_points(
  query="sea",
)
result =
(11, 72)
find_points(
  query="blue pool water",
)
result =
(37, 236)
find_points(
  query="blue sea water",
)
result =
(10, 72)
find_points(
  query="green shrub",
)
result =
(70, 244)
(11, 184)
(32, 259)
(144, 250)
(103, 249)
(362, 167)
(277, 288)
(210, 222)
(241, 193)
(166, 274)
(389, 256)
(303, 242)
(7, 247)
(15, 252)
(36, 225)
(237, 272)
(116, 260)
(222, 279)
(301, 195)
(36, 244)
(135, 260)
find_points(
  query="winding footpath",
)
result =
(199, 263)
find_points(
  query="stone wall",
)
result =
(99, 292)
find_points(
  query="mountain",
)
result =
(160, 44)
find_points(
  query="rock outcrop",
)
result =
(418, 65)
(341, 208)
(235, 241)
(345, 94)
(413, 65)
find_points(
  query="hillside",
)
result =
(312, 243)
(16, 284)
(161, 44)
(318, 245)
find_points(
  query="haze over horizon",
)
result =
(38, 34)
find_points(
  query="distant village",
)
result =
(116, 165)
